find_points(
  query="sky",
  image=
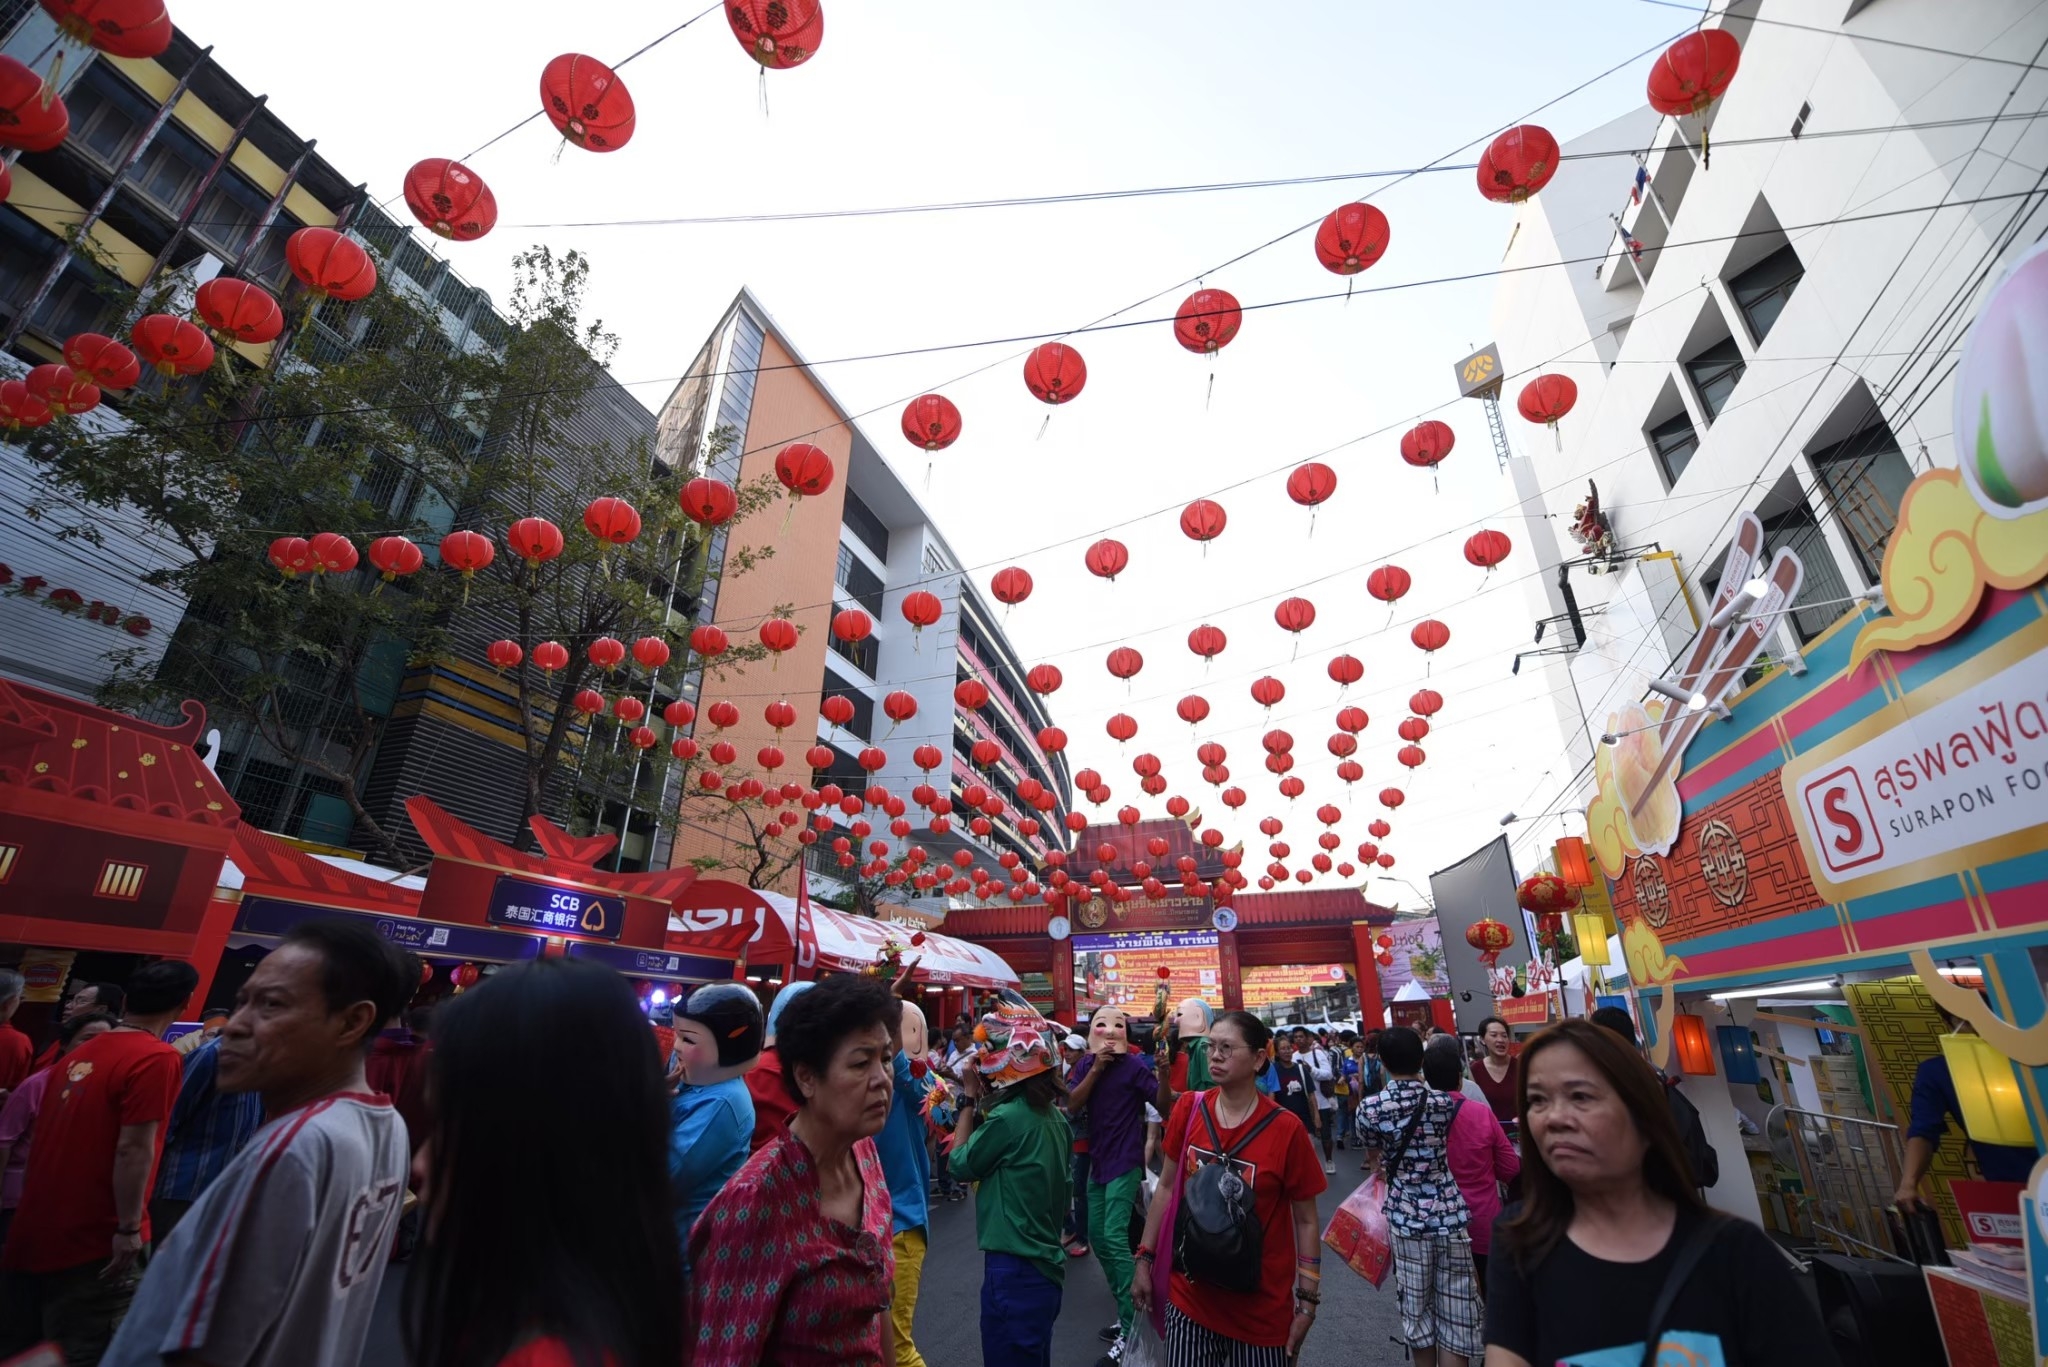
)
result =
(917, 104)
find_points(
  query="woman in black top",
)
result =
(1608, 1213)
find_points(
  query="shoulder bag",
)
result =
(1217, 1238)
(1696, 1246)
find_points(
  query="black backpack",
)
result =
(1217, 1238)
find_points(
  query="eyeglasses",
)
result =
(1217, 1049)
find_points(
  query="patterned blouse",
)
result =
(774, 1280)
(1422, 1197)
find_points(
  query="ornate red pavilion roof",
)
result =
(274, 868)
(54, 744)
(450, 836)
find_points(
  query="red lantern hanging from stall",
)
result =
(586, 102)
(450, 200)
(1489, 937)
(1517, 164)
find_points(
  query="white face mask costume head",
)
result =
(916, 1036)
(1193, 1017)
(1109, 1031)
(718, 1033)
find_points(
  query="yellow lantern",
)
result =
(1994, 1112)
(1590, 930)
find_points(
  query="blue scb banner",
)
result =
(655, 963)
(549, 910)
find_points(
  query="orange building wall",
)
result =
(787, 407)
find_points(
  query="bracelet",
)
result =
(1141, 1252)
(1308, 1297)
(132, 1232)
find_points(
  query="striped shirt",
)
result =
(279, 1263)
(208, 1128)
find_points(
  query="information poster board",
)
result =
(1123, 970)
(1270, 985)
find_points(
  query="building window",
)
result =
(1762, 291)
(1674, 441)
(861, 654)
(1715, 373)
(1864, 478)
(862, 522)
(859, 581)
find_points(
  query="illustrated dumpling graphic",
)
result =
(1649, 801)
(2001, 393)
(1606, 821)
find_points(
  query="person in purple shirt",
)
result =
(1114, 1085)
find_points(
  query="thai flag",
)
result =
(1635, 195)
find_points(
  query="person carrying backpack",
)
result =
(1692, 1135)
(1246, 1256)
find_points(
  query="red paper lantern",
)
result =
(872, 758)
(1352, 719)
(588, 701)
(1233, 798)
(921, 609)
(1426, 702)
(1487, 548)
(708, 502)
(1388, 583)
(1385, 861)
(1292, 787)
(1346, 670)
(586, 102)
(778, 634)
(172, 345)
(1277, 742)
(1391, 798)
(1121, 727)
(1206, 321)
(931, 421)
(26, 121)
(62, 389)
(1430, 635)
(467, 551)
(1011, 586)
(332, 553)
(803, 469)
(927, 758)
(1207, 642)
(628, 709)
(971, 694)
(450, 200)
(1203, 520)
(1694, 72)
(1106, 559)
(534, 540)
(819, 757)
(1311, 484)
(899, 706)
(464, 976)
(709, 641)
(1412, 729)
(291, 555)
(1054, 373)
(239, 311)
(393, 556)
(1341, 745)
(681, 712)
(1547, 398)
(1268, 691)
(330, 264)
(135, 29)
(1411, 756)
(1427, 443)
(1295, 615)
(1124, 662)
(1489, 937)
(652, 653)
(548, 656)
(852, 625)
(779, 34)
(606, 652)
(1517, 164)
(1352, 238)
(1192, 709)
(106, 361)
(1546, 894)
(1127, 815)
(612, 519)
(1350, 771)
(1043, 679)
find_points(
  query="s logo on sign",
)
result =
(1841, 817)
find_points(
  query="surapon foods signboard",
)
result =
(1952, 775)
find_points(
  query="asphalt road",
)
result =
(1358, 1327)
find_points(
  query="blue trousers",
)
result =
(1018, 1305)
(1077, 1215)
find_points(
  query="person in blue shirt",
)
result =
(907, 1166)
(208, 1128)
(1934, 1101)
(718, 1037)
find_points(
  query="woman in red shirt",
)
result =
(1204, 1323)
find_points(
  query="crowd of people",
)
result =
(575, 1187)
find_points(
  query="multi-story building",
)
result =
(1770, 329)
(866, 543)
(173, 173)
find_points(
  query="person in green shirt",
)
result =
(1015, 1142)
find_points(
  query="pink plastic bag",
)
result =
(1162, 1263)
(1358, 1232)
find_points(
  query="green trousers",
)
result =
(1109, 1230)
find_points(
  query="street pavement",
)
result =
(1358, 1326)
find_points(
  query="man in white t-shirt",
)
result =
(278, 1264)
(1322, 1066)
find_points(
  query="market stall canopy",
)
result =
(716, 917)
